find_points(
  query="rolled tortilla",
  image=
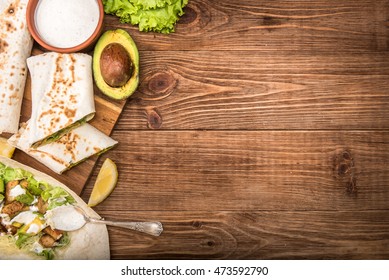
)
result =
(15, 46)
(89, 242)
(62, 95)
(71, 149)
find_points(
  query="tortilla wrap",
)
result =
(71, 149)
(15, 46)
(62, 95)
(89, 242)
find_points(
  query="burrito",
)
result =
(15, 46)
(62, 95)
(68, 151)
(27, 198)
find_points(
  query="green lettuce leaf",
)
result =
(57, 197)
(34, 187)
(26, 198)
(47, 254)
(24, 239)
(150, 15)
(2, 187)
(64, 241)
(11, 174)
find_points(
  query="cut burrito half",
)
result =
(62, 95)
(68, 151)
(15, 46)
(26, 198)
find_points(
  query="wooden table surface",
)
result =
(260, 130)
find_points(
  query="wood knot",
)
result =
(271, 22)
(154, 118)
(196, 224)
(162, 82)
(345, 171)
(189, 16)
(345, 163)
(158, 85)
(196, 17)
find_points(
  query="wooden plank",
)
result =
(254, 235)
(289, 25)
(259, 90)
(250, 170)
(107, 114)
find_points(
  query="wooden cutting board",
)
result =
(107, 114)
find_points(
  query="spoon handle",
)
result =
(153, 228)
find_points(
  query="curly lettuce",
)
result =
(150, 15)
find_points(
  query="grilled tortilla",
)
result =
(62, 95)
(71, 149)
(15, 46)
(89, 242)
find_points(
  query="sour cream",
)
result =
(16, 191)
(31, 220)
(25, 217)
(66, 24)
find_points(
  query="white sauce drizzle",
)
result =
(25, 217)
(34, 228)
(16, 191)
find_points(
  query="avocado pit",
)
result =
(116, 65)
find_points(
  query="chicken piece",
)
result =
(13, 208)
(54, 233)
(47, 241)
(2, 228)
(11, 229)
(8, 187)
(42, 205)
(24, 184)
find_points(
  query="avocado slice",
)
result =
(116, 64)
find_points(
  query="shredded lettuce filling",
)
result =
(56, 197)
(55, 136)
(53, 195)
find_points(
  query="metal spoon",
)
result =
(71, 217)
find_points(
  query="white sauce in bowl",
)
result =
(66, 24)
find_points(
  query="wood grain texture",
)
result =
(259, 90)
(288, 25)
(250, 170)
(255, 235)
(259, 131)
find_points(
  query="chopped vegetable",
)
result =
(24, 201)
(150, 15)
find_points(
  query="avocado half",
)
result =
(109, 38)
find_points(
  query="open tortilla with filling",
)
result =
(69, 150)
(15, 46)
(89, 242)
(62, 95)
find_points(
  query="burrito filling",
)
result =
(54, 137)
(24, 203)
